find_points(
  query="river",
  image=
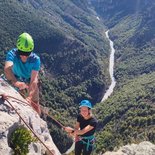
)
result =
(111, 69)
(113, 81)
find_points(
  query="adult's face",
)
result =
(24, 58)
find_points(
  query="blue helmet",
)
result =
(86, 103)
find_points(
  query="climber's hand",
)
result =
(68, 129)
(20, 85)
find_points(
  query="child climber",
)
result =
(84, 129)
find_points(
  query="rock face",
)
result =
(9, 121)
(144, 148)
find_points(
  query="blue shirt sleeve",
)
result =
(10, 56)
(36, 65)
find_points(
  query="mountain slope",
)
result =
(74, 53)
(128, 116)
(62, 30)
(132, 29)
(73, 50)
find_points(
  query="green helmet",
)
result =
(25, 43)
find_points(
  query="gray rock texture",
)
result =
(144, 148)
(9, 121)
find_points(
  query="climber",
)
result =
(84, 129)
(22, 67)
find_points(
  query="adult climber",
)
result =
(22, 67)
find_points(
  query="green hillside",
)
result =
(74, 53)
(73, 50)
(62, 31)
(132, 29)
(128, 116)
(66, 38)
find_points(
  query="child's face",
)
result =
(84, 111)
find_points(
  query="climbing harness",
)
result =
(88, 140)
(4, 97)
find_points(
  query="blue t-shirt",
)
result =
(23, 69)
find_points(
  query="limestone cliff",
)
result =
(144, 148)
(9, 121)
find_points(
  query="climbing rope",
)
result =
(29, 104)
(5, 97)
(43, 111)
